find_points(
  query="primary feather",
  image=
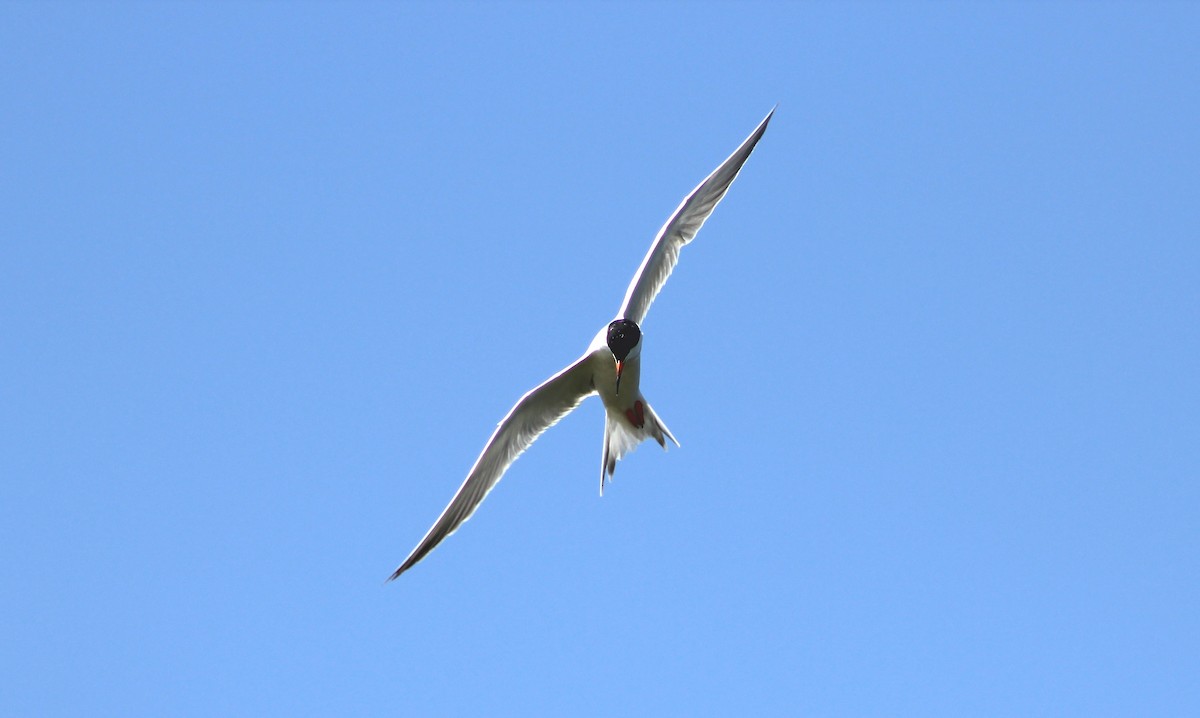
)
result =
(535, 412)
(682, 227)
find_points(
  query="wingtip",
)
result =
(762, 126)
(408, 563)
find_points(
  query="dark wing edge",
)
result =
(536, 411)
(682, 227)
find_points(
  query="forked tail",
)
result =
(622, 437)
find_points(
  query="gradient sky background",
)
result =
(271, 273)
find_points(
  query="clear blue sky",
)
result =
(271, 273)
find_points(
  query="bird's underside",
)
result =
(611, 367)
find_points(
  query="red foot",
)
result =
(636, 415)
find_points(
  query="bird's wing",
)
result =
(682, 227)
(537, 411)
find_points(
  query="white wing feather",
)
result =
(682, 227)
(535, 412)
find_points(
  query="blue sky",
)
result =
(272, 272)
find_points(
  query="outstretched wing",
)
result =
(682, 227)
(537, 411)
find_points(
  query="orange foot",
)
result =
(636, 415)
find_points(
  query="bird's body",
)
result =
(611, 367)
(628, 418)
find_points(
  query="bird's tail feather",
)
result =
(620, 438)
(657, 428)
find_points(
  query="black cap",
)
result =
(623, 336)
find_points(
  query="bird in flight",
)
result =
(611, 367)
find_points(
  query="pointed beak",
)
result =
(620, 366)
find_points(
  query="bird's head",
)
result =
(624, 341)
